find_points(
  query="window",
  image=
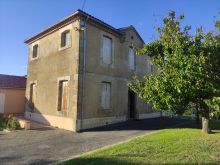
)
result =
(65, 39)
(149, 65)
(131, 59)
(152, 68)
(106, 95)
(63, 95)
(107, 50)
(35, 51)
(32, 95)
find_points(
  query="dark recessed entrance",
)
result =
(131, 104)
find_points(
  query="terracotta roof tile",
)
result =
(9, 81)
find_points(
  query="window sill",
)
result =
(65, 47)
(32, 59)
(62, 113)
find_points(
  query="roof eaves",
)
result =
(78, 12)
(51, 27)
(100, 22)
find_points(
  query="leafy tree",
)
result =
(188, 70)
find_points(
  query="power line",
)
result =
(83, 5)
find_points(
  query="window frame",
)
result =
(64, 33)
(61, 80)
(104, 104)
(149, 65)
(134, 59)
(35, 51)
(32, 94)
(102, 50)
(31, 50)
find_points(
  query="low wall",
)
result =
(149, 115)
(96, 122)
(55, 121)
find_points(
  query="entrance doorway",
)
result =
(131, 104)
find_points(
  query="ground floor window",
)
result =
(32, 99)
(106, 95)
(63, 95)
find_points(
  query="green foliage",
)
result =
(9, 123)
(188, 68)
(214, 104)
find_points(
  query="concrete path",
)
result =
(49, 145)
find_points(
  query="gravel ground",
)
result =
(47, 145)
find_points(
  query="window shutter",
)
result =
(131, 60)
(148, 65)
(65, 96)
(106, 96)
(60, 96)
(32, 95)
(107, 50)
(108, 93)
(103, 95)
(68, 39)
(63, 42)
(35, 51)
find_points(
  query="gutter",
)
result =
(84, 71)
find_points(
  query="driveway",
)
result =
(49, 145)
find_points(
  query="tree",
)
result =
(188, 70)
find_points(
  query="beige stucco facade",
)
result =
(12, 101)
(84, 103)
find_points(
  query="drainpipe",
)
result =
(84, 72)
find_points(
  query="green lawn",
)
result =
(170, 146)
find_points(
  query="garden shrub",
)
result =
(10, 122)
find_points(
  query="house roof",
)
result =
(78, 14)
(9, 81)
(132, 28)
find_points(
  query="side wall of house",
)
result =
(52, 65)
(13, 101)
(117, 74)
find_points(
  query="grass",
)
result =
(170, 146)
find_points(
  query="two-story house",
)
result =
(78, 73)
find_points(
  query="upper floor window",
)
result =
(35, 51)
(131, 59)
(106, 50)
(149, 65)
(65, 39)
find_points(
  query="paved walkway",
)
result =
(49, 145)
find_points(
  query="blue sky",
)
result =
(21, 19)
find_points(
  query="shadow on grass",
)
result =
(214, 125)
(144, 124)
(99, 161)
(155, 124)
(114, 161)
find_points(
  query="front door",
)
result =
(2, 103)
(131, 104)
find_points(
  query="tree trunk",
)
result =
(205, 125)
(204, 110)
(197, 114)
